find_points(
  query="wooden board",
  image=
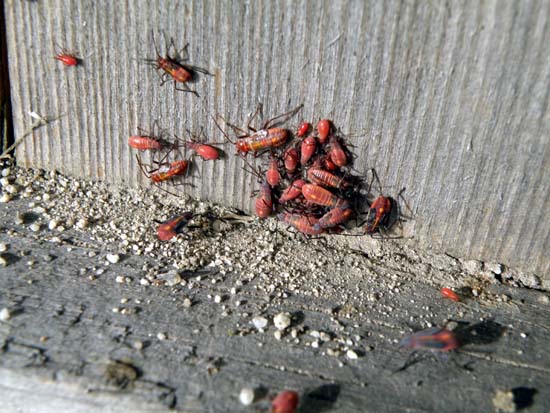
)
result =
(66, 349)
(449, 100)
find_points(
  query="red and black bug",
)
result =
(172, 67)
(173, 226)
(266, 138)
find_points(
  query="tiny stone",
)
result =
(3, 261)
(233, 291)
(82, 223)
(472, 266)
(119, 279)
(5, 198)
(504, 401)
(138, 345)
(315, 344)
(246, 396)
(3, 246)
(543, 299)
(217, 299)
(161, 336)
(34, 227)
(5, 314)
(282, 321)
(259, 322)
(113, 258)
(352, 355)
(6, 172)
(171, 278)
(523, 335)
(144, 281)
(278, 334)
(187, 302)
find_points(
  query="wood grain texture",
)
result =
(450, 100)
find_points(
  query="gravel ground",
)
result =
(256, 275)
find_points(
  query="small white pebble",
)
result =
(187, 303)
(10, 189)
(259, 322)
(113, 258)
(6, 172)
(315, 344)
(161, 336)
(82, 223)
(34, 227)
(352, 355)
(120, 279)
(144, 281)
(138, 345)
(246, 396)
(3, 246)
(115, 310)
(52, 224)
(233, 291)
(278, 334)
(100, 271)
(5, 314)
(523, 335)
(282, 321)
(5, 198)
(217, 299)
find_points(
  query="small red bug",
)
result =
(323, 130)
(173, 68)
(450, 294)
(304, 224)
(206, 152)
(264, 201)
(273, 175)
(434, 338)
(336, 153)
(170, 228)
(285, 402)
(324, 178)
(307, 149)
(303, 129)
(293, 191)
(150, 140)
(335, 217)
(67, 58)
(379, 214)
(320, 196)
(291, 159)
(165, 171)
(266, 137)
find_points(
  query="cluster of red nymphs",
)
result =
(307, 177)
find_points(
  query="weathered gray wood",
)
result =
(56, 349)
(449, 100)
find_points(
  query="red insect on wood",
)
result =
(450, 294)
(206, 152)
(323, 130)
(150, 140)
(321, 196)
(379, 214)
(307, 149)
(334, 217)
(325, 178)
(303, 129)
(265, 138)
(67, 58)
(264, 201)
(273, 175)
(173, 68)
(439, 339)
(170, 228)
(165, 171)
(285, 402)
(305, 224)
(291, 159)
(336, 153)
(293, 191)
